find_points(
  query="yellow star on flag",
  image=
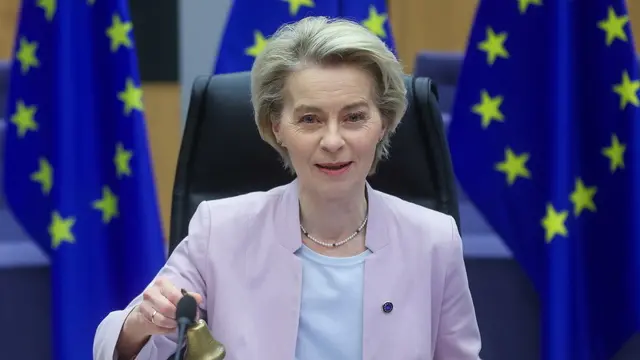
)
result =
(118, 32)
(294, 5)
(375, 22)
(91, 2)
(131, 96)
(49, 7)
(615, 154)
(488, 108)
(553, 223)
(60, 230)
(108, 204)
(23, 118)
(26, 55)
(628, 91)
(122, 160)
(259, 43)
(493, 45)
(582, 197)
(613, 26)
(44, 176)
(523, 5)
(514, 166)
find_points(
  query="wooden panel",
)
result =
(430, 25)
(8, 20)
(440, 25)
(162, 107)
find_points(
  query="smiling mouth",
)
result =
(335, 166)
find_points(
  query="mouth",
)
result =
(334, 168)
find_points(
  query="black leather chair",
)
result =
(222, 154)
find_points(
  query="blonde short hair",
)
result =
(324, 41)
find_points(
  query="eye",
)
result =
(307, 119)
(358, 116)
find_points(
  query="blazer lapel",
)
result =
(279, 295)
(379, 279)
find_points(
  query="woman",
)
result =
(324, 267)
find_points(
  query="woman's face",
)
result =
(330, 127)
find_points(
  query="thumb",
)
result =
(196, 296)
(198, 299)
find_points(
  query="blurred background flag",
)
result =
(251, 22)
(78, 171)
(545, 141)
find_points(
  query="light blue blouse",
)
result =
(331, 307)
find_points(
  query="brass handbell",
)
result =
(201, 345)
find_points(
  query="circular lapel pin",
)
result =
(387, 307)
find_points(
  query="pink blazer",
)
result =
(239, 254)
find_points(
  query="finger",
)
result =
(159, 302)
(161, 322)
(196, 296)
(169, 291)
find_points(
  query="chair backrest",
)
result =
(222, 154)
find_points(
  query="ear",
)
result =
(382, 132)
(275, 127)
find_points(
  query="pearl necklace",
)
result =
(336, 244)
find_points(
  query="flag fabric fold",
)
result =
(78, 174)
(251, 22)
(545, 141)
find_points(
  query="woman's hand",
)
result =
(154, 315)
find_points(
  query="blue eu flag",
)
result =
(251, 22)
(545, 139)
(78, 171)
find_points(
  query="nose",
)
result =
(332, 139)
